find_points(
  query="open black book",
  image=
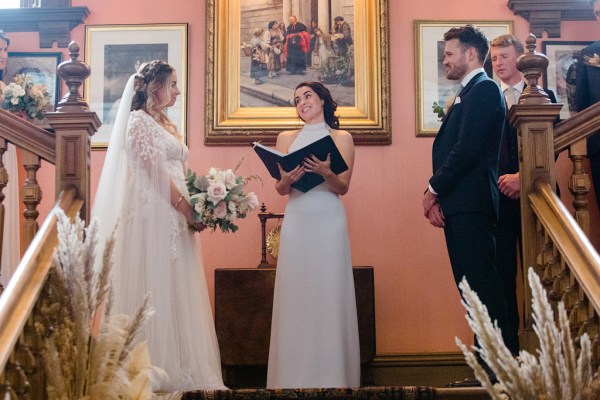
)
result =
(320, 148)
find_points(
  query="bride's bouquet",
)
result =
(218, 198)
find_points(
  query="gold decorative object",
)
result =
(273, 241)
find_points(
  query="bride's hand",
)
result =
(188, 212)
(196, 227)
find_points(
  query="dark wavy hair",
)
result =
(470, 36)
(7, 40)
(329, 105)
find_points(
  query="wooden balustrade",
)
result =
(554, 242)
(25, 314)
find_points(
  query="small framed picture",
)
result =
(41, 67)
(114, 53)
(433, 90)
(560, 75)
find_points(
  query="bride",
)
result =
(142, 191)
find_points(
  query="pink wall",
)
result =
(417, 303)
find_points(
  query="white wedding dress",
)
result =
(155, 253)
(314, 333)
(11, 241)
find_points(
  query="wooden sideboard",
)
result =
(243, 307)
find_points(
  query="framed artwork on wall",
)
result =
(433, 91)
(114, 52)
(41, 67)
(560, 74)
(249, 96)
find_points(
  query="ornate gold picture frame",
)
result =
(432, 88)
(229, 122)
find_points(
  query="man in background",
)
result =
(343, 39)
(587, 93)
(462, 196)
(297, 45)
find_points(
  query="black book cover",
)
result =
(320, 148)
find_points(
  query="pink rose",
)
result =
(216, 192)
(221, 210)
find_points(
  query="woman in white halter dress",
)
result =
(143, 188)
(314, 333)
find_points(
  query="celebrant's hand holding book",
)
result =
(320, 149)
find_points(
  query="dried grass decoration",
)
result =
(91, 354)
(558, 372)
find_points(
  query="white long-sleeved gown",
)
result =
(156, 253)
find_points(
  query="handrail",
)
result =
(567, 236)
(22, 292)
(28, 136)
(576, 128)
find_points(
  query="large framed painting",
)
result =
(41, 67)
(258, 51)
(114, 52)
(433, 91)
(560, 74)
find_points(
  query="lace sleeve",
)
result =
(142, 150)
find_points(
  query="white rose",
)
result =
(14, 100)
(212, 172)
(216, 192)
(229, 179)
(231, 206)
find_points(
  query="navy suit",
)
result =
(465, 178)
(587, 93)
(508, 232)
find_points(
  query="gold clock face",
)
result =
(273, 241)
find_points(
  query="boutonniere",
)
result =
(457, 100)
(593, 61)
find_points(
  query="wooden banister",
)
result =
(23, 290)
(576, 128)
(569, 239)
(28, 136)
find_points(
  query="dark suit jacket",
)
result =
(466, 148)
(509, 149)
(587, 78)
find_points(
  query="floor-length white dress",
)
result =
(11, 241)
(314, 333)
(156, 253)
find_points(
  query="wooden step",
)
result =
(387, 393)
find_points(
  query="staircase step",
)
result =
(366, 393)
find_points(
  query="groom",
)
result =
(462, 197)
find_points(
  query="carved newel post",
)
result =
(533, 117)
(74, 125)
